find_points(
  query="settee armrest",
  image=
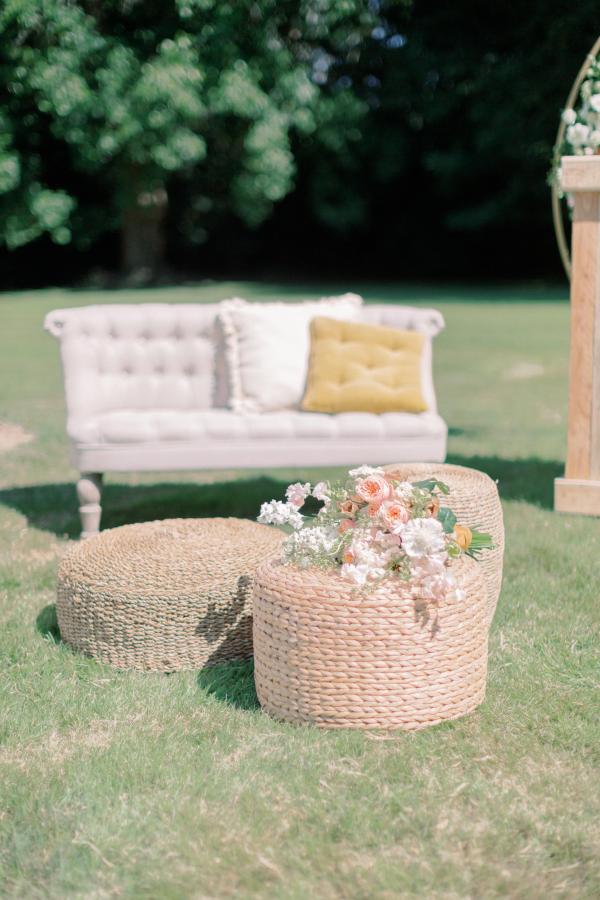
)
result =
(54, 322)
(426, 320)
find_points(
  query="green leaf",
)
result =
(432, 484)
(447, 518)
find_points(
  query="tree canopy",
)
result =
(397, 137)
(106, 104)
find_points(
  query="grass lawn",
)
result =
(144, 786)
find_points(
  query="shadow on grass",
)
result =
(232, 683)
(529, 480)
(53, 507)
(47, 623)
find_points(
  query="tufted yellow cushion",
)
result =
(363, 368)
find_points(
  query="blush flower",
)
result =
(321, 491)
(297, 493)
(394, 515)
(373, 489)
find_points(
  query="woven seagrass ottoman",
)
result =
(165, 595)
(329, 654)
(473, 498)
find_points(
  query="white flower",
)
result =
(311, 546)
(594, 102)
(356, 573)
(375, 558)
(578, 134)
(321, 492)
(363, 471)
(429, 565)
(360, 573)
(436, 588)
(279, 513)
(569, 116)
(404, 491)
(297, 493)
(423, 537)
(595, 137)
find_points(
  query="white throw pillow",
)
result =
(267, 347)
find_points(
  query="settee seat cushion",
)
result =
(155, 440)
(150, 426)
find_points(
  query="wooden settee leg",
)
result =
(89, 491)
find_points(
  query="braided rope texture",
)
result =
(474, 500)
(165, 595)
(329, 654)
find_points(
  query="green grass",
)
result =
(144, 786)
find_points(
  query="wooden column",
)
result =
(579, 490)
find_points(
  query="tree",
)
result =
(464, 103)
(109, 105)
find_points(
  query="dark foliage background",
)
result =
(443, 177)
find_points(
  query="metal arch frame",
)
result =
(557, 216)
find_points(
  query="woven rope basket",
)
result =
(165, 595)
(474, 499)
(331, 655)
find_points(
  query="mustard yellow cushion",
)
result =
(363, 368)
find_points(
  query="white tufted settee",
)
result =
(146, 389)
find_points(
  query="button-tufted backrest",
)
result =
(410, 318)
(170, 356)
(137, 356)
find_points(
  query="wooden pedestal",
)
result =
(579, 490)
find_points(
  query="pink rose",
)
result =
(394, 514)
(373, 489)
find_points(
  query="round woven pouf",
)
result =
(166, 595)
(329, 654)
(474, 499)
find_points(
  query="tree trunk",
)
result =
(142, 238)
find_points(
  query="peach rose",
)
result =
(394, 514)
(348, 557)
(373, 489)
(348, 507)
(463, 536)
(433, 507)
(345, 525)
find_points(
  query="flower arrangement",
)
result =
(582, 136)
(373, 526)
